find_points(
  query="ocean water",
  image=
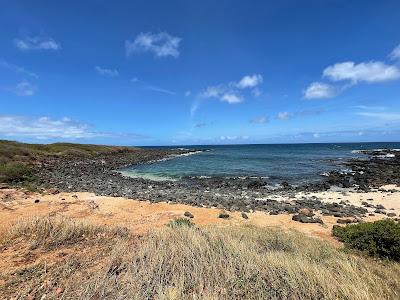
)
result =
(295, 163)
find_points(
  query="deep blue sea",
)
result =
(295, 163)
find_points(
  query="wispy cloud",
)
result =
(24, 88)
(44, 128)
(159, 90)
(319, 90)
(200, 125)
(259, 120)
(160, 44)
(373, 71)
(367, 107)
(395, 54)
(381, 115)
(17, 69)
(284, 115)
(106, 72)
(36, 43)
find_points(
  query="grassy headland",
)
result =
(18, 160)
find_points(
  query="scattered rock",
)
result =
(244, 215)
(223, 215)
(304, 219)
(188, 214)
(36, 201)
(306, 212)
(345, 221)
(391, 214)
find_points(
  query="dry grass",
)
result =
(59, 231)
(235, 262)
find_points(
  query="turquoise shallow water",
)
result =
(295, 163)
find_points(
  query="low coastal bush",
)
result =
(79, 260)
(380, 238)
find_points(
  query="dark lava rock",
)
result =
(304, 219)
(345, 221)
(37, 201)
(223, 215)
(188, 214)
(244, 215)
(391, 214)
(380, 211)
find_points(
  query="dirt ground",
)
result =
(142, 216)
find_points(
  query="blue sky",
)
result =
(200, 72)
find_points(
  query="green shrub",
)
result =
(380, 238)
(14, 172)
(180, 222)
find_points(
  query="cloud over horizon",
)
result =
(43, 128)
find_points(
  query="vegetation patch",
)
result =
(180, 222)
(15, 172)
(379, 238)
(87, 261)
(54, 232)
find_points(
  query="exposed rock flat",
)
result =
(99, 175)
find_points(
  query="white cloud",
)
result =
(231, 93)
(284, 115)
(160, 44)
(25, 88)
(231, 98)
(368, 72)
(316, 135)
(395, 55)
(17, 69)
(317, 90)
(36, 43)
(43, 128)
(250, 81)
(188, 93)
(259, 120)
(135, 79)
(106, 72)
(381, 115)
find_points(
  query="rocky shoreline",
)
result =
(99, 175)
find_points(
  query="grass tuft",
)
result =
(179, 222)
